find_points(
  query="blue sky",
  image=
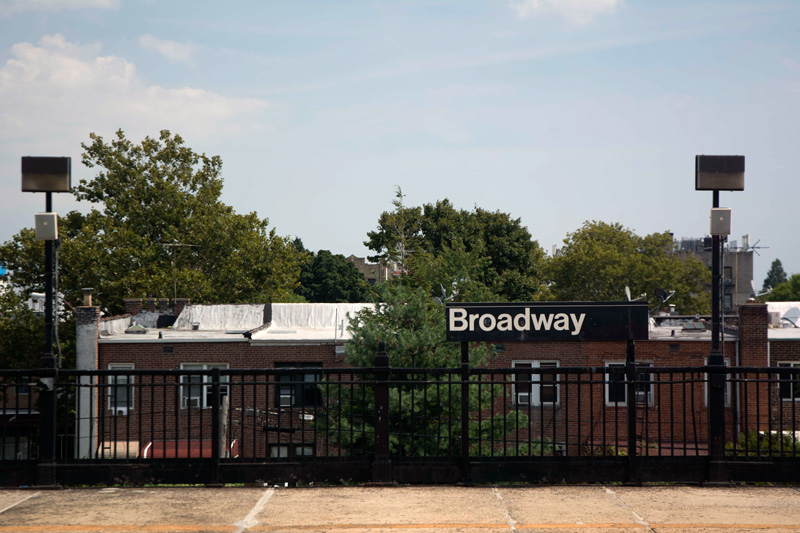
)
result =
(556, 112)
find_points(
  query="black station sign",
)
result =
(547, 321)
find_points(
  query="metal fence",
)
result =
(537, 423)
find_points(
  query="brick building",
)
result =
(272, 414)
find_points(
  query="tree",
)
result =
(413, 329)
(147, 196)
(501, 257)
(21, 333)
(599, 260)
(775, 276)
(398, 234)
(326, 277)
(788, 291)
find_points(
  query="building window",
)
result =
(534, 388)
(727, 274)
(197, 390)
(120, 389)
(283, 451)
(727, 301)
(299, 390)
(727, 385)
(616, 387)
(789, 384)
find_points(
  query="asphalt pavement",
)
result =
(360, 509)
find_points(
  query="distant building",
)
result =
(372, 272)
(737, 268)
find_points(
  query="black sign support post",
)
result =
(465, 476)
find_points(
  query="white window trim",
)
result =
(205, 384)
(535, 394)
(287, 391)
(788, 364)
(727, 385)
(113, 382)
(621, 364)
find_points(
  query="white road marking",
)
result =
(19, 502)
(511, 522)
(637, 518)
(250, 520)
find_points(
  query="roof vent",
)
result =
(136, 329)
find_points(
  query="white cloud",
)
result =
(61, 89)
(175, 52)
(577, 12)
(14, 6)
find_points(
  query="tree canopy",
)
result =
(484, 253)
(147, 199)
(413, 329)
(775, 276)
(327, 277)
(788, 291)
(599, 260)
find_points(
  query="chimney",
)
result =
(87, 296)
(163, 305)
(178, 305)
(150, 305)
(133, 306)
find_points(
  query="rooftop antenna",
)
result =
(746, 247)
(662, 296)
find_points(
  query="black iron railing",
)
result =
(527, 423)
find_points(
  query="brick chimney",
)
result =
(163, 305)
(150, 305)
(178, 305)
(753, 320)
(133, 306)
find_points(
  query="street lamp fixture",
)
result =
(715, 173)
(47, 175)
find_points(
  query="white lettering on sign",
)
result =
(461, 320)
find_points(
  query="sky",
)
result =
(554, 111)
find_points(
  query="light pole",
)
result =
(715, 173)
(47, 175)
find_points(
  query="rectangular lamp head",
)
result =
(719, 173)
(46, 174)
(721, 221)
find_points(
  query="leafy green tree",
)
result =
(498, 252)
(599, 260)
(424, 407)
(326, 277)
(146, 197)
(775, 276)
(21, 333)
(398, 234)
(789, 291)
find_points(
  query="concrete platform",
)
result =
(384, 509)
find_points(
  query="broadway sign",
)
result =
(550, 321)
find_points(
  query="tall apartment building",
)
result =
(737, 268)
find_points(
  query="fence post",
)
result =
(630, 392)
(717, 471)
(46, 468)
(382, 465)
(215, 447)
(465, 474)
